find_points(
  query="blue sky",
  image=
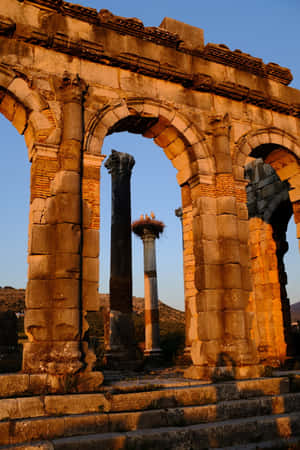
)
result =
(267, 29)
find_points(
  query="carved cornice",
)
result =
(95, 51)
(134, 27)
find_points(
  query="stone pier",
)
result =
(149, 230)
(120, 342)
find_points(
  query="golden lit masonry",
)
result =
(70, 76)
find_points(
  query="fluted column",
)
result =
(120, 342)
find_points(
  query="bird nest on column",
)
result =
(147, 224)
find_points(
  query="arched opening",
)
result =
(182, 146)
(153, 189)
(15, 196)
(271, 202)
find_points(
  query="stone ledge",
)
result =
(12, 385)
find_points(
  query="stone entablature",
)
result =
(177, 63)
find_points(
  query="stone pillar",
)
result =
(222, 343)
(53, 320)
(120, 344)
(187, 349)
(148, 230)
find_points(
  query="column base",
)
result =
(57, 358)
(223, 373)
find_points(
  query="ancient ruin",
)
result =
(149, 229)
(120, 340)
(69, 76)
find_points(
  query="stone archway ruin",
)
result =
(71, 75)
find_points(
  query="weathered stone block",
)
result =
(66, 293)
(227, 226)
(90, 270)
(66, 181)
(90, 296)
(166, 137)
(235, 324)
(20, 119)
(207, 252)
(76, 404)
(70, 156)
(68, 238)
(204, 205)
(208, 276)
(37, 324)
(232, 276)
(235, 299)
(209, 226)
(192, 36)
(38, 294)
(246, 278)
(65, 324)
(243, 230)
(91, 243)
(226, 205)
(209, 300)
(41, 240)
(57, 358)
(229, 250)
(67, 265)
(40, 267)
(68, 208)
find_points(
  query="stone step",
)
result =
(235, 433)
(157, 398)
(278, 444)
(199, 395)
(45, 428)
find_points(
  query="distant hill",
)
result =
(14, 299)
(11, 298)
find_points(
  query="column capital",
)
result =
(91, 160)
(147, 229)
(49, 151)
(72, 88)
(220, 124)
(119, 163)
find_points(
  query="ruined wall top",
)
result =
(173, 51)
(170, 33)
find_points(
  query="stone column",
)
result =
(148, 230)
(120, 344)
(53, 320)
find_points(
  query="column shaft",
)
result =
(120, 342)
(152, 335)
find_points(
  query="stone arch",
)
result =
(274, 137)
(281, 151)
(182, 143)
(24, 107)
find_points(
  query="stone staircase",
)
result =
(158, 414)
